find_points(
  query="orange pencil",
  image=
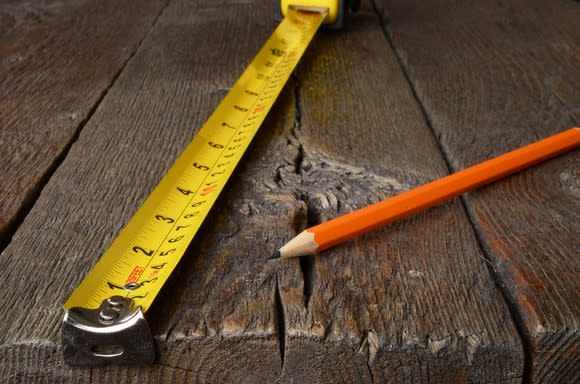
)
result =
(326, 235)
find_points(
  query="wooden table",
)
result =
(97, 98)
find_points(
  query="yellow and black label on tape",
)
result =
(104, 320)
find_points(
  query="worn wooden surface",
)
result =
(162, 97)
(57, 60)
(414, 302)
(492, 77)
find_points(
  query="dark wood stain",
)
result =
(57, 60)
(492, 77)
(414, 302)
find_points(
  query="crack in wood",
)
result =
(325, 186)
(306, 262)
(512, 306)
(34, 192)
(299, 159)
(281, 322)
(369, 347)
(307, 269)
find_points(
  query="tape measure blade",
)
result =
(147, 250)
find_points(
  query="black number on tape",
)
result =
(113, 286)
(158, 266)
(163, 218)
(199, 166)
(215, 145)
(184, 191)
(138, 249)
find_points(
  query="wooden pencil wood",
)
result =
(346, 227)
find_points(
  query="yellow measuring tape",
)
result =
(133, 270)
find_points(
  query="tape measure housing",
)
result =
(334, 8)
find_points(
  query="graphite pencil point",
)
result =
(275, 255)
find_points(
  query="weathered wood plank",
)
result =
(57, 59)
(414, 302)
(217, 318)
(492, 77)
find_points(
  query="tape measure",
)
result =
(338, 11)
(104, 321)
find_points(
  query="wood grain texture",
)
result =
(57, 59)
(414, 302)
(493, 77)
(217, 318)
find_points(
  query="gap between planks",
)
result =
(33, 194)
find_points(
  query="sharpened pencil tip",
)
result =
(275, 255)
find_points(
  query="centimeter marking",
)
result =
(142, 257)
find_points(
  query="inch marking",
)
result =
(146, 251)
